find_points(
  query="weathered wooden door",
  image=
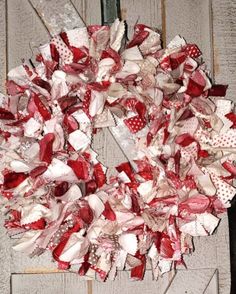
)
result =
(205, 22)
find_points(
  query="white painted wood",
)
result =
(90, 10)
(213, 285)
(224, 38)
(25, 32)
(60, 283)
(139, 11)
(5, 248)
(124, 285)
(21, 263)
(223, 256)
(191, 281)
(192, 20)
(5, 258)
(58, 16)
(3, 61)
(4, 241)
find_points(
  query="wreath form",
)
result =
(55, 191)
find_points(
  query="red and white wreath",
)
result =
(55, 191)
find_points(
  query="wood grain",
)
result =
(192, 20)
(124, 285)
(213, 286)
(191, 282)
(25, 32)
(58, 16)
(224, 40)
(4, 241)
(139, 11)
(66, 283)
(205, 253)
(89, 287)
(5, 257)
(3, 47)
(5, 248)
(223, 256)
(163, 22)
(90, 10)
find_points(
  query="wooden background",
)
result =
(210, 24)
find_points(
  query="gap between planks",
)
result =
(163, 22)
(90, 286)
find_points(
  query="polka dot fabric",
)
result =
(227, 140)
(64, 52)
(190, 151)
(135, 124)
(101, 118)
(192, 50)
(93, 257)
(189, 126)
(104, 119)
(86, 102)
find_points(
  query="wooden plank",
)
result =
(123, 284)
(57, 16)
(21, 263)
(90, 287)
(223, 256)
(3, 47)
(213, 286)
(66, 283)
(25, 32)
(5, 257)
(205, 253)
(111, 155)
(90, 10)
(192, 20)
(66, 14)
(182, 18)
(224, 38)
(22, 28)
(232, 237)
(139, 11)
(191, 281)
